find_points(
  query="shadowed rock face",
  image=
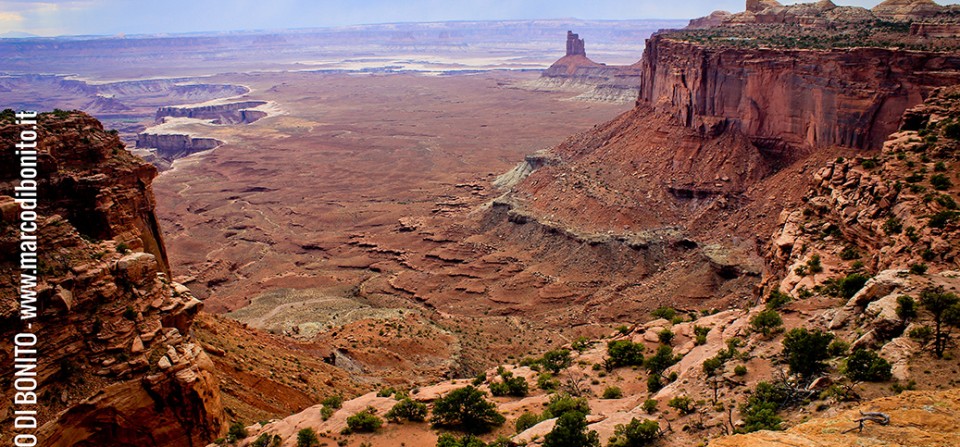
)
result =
(846, 97)
(118, 363)
(173, 146)
(575, 45)
(232, 113)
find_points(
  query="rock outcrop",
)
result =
(118, 364)
(907, 10)
(229, 113)
(847, 97)
(173, 146)
(596, 81)
(886, 210)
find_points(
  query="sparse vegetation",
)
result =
(635, 434)
(571, 431)
(612, 392)
(805, 351)
(683, 404)
(408, 409)
(365, 421)
(307, 438)
(467, 409)
(624, 353)
(944, 307)
(767, 322)
(864, 365)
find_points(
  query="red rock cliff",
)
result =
(117, 364)
(848, 97)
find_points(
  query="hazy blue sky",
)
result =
(58, 17)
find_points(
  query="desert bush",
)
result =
(805, 351)
(408, 409)
(307, 438)
(364, 421)
(767, 322)
(864, 365)
(612, 393)
(468, 409)
(571, 431)
(635, 434)
(624, 353)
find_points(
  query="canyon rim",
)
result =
(458, 229)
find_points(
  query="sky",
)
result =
(112, 17)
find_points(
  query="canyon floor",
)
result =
(313, 222)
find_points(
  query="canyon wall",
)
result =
(232, 113)
(814, 98)
(173, 146)
(118, 364)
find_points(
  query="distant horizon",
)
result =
(23, 35)
(77, 18)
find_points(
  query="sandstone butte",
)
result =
(745, 112)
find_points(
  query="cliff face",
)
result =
(231, 113)
(813, 98)
(118, 365)
(600, 82)
(173, 146)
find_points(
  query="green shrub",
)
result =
(123, 248)
(945, 309)
(635, 434)
(326, 412)
(683, 404)
(941, 219)
(509, 385)
(408, 409)
(918, 268)
(654, 383)
(711, 365)
(906, 307)
(307, 438)
(527, 420)
(364, 421)
(667, 313)
(838, 347)
(563, 403)
(892, 226)
(805, 351)
(701, 335)
(940, 182)
(624, 353)
(759, 412)
(236, 432)
(650, 406)
(851, 284)
(612, 393)
(386, 392)
(449, 440)
(777, 299)
(546, 381)
(767, 322)
(479, 379)
(740, 370)
(571, 431)
(952, 130)
(661, 360)
(262, 441)
(556, 361)
(665, 336)
(581, 344)
(849, 254)
(864, 365)
(921, 333)
(468, 409)
(335, 401)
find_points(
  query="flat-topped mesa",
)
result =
(575, 45)
(907, 10)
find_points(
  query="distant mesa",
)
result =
(231, 113)
(824, 14)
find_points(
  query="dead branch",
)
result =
(875, 417)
